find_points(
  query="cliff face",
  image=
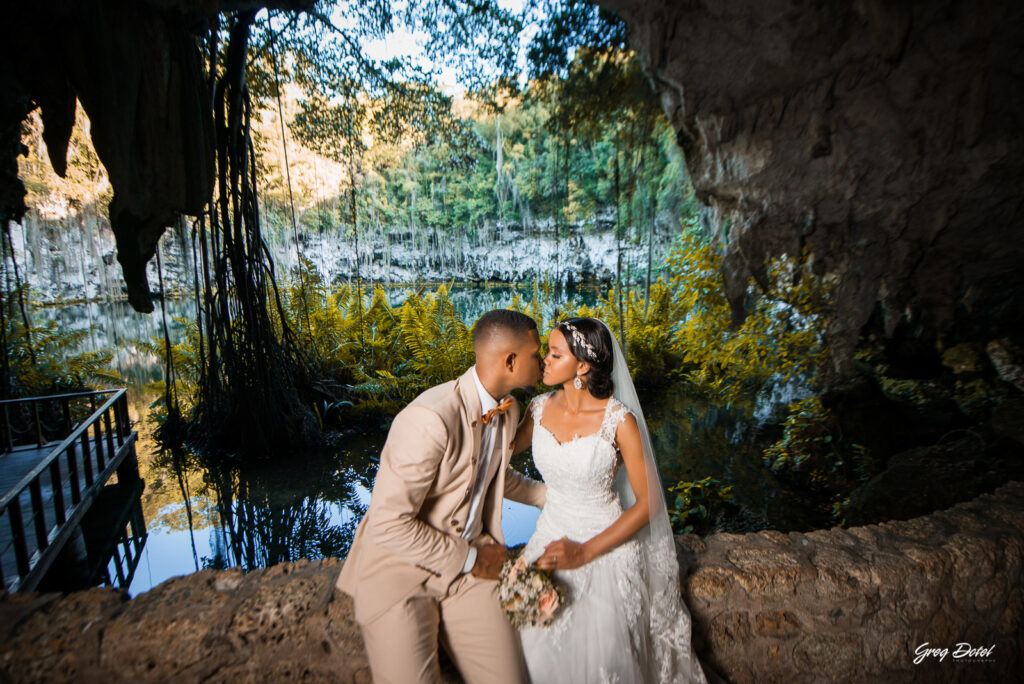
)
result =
(64, 265)
(839, 605)
(883, 138)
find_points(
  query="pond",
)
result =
(236, 512)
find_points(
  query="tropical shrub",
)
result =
(699, 505)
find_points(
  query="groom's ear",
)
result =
(510, 361)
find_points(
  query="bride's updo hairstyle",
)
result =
(589, 341)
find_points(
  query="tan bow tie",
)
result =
(498, 410)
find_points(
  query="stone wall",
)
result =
(855, 604)
(830, 605)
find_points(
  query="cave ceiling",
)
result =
(881, 139)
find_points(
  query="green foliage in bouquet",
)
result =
(528, 595)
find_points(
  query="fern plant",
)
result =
(44, 358)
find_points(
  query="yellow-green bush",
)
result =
(779, 338)
(698, 505)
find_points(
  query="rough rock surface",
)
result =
(838, 605)
(882, 137)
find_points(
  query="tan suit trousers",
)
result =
(402, 643)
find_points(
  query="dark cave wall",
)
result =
(882, 137)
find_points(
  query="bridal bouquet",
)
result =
(527, 594)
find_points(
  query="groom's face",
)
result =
(526, 367)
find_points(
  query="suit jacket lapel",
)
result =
(509, 423)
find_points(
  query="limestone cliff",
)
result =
(135, 68)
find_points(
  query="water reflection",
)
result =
(118, 328)
(303, 506)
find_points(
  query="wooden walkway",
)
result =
(14, 466)
(48, 489)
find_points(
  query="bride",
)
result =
(604, 531)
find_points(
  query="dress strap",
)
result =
(537, 406)
(614, 414)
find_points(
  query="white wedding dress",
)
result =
(609, 630)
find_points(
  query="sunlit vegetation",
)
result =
(372, 354)
(369, 152)
(43, 358)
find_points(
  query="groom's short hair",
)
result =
(498, 321)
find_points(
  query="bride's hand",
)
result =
(563, 554)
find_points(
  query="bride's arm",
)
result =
(565, 554)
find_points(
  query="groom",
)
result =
(425, 557)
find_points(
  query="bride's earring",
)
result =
(577, 383)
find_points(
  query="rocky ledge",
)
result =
(859, 604)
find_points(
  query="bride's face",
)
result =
(560, 366)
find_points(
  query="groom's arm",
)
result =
(523, 489)
(409, 463)
(518, 487)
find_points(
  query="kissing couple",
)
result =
(426, 557)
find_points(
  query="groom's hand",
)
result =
(489, 559)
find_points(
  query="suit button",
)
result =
(474, 460)
(473, 424)
(459, 530)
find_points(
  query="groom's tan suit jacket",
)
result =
(412, 532)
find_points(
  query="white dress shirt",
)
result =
(490, 431)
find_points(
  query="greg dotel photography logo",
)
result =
(961, 652)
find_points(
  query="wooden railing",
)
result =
(37, 421)
(63, 485)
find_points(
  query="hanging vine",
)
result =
(251, 369)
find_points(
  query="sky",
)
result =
(402, 43)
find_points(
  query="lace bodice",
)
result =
(581, 503)
(580, 473)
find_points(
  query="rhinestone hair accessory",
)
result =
(580, 340)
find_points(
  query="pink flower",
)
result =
(548, 604)
(513, 573)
